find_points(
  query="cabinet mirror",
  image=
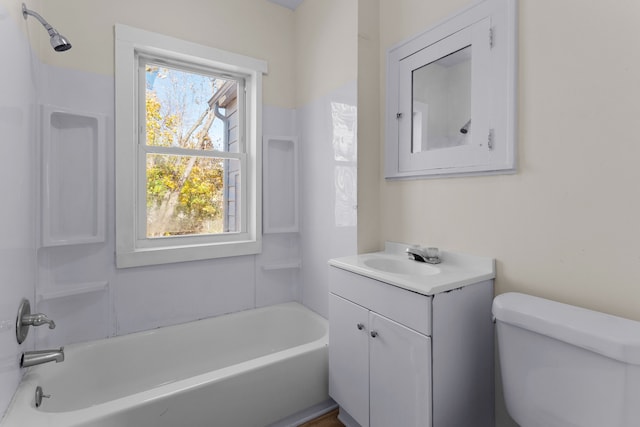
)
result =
(445, 86)
(451, 96)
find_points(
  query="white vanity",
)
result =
(411, 344)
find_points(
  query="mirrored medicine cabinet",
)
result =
(451, 96)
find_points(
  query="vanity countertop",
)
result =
(393, 266)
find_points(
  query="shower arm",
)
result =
(36, 15)
(58, 42)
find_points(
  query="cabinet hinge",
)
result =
(490, 140)
(491, 37)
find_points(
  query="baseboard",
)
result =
(305, 415)
(347, 419)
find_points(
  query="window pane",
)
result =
(190, 110)
(190, 195)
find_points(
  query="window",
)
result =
(188, 177)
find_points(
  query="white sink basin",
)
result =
(392, 266)
(401, 266)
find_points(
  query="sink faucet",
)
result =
(428, 255)
(38, 357)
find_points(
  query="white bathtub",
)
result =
(251, 368)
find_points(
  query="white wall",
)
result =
(328, 189)
(326, 94)
(81, 79)
(320, 83)
(368, 128)
(143, 298)
(316, 75)
(17, 184)
(256, 28)
(565, 226)
(147, 297)
(314, 97)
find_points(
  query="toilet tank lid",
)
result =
(611, 336)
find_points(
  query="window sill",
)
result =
(166, 255)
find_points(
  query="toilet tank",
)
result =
(567, 366)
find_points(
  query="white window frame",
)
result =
(133, 248)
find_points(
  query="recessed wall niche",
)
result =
(280, 189)
(73, 177)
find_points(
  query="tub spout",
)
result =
(32, 358)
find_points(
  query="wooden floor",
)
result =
(327, 420)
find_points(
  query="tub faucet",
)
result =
(38, 357)
(37, 320)
(428, 255)
(24, 319)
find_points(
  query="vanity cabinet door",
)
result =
(349, 357)
(400, 374)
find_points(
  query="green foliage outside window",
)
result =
(184, 193)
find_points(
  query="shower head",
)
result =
(58, 41)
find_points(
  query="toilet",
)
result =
(565, 366)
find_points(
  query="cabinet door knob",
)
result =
(374, 334)
(360, 326)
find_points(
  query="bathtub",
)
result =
(251, 368)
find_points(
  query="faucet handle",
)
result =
(432, 252)
(428, 255)
(26, 319)
(38, 319)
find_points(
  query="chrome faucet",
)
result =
(428, 255)
(26, 319)
(38, 357)
(37, 320)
